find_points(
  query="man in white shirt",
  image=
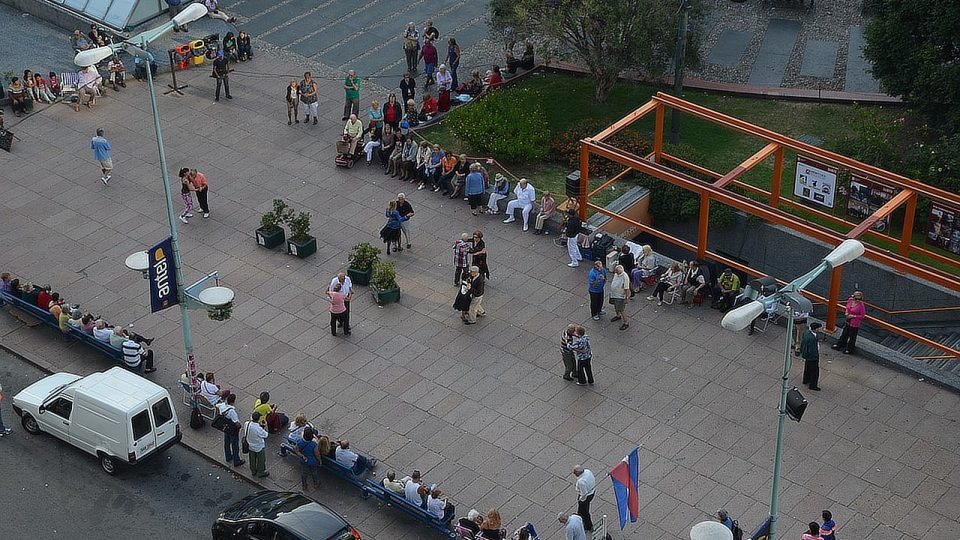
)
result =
(134, 354)
(411, 491)
(346, 287)
(526, 195)
(573, 525)
(394, 485)
(348, 458)
(256, 438)
(101, 332)
(586, 489)
(231, 435)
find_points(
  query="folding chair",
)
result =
(69, 86)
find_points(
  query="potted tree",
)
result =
(270, 234)
(383, 283)
(360, 262)
(301, 244)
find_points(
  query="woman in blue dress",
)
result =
(453, 60)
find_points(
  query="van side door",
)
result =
(56, 416)
(164, 419)
(144, 437)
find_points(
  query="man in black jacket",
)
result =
(221, 71)
(476, 291)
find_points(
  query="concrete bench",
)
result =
(400, 503)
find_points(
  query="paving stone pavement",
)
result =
(481, 410)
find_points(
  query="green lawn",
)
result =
(568, 100)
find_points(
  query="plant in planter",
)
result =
(301, 244)
(220, 313)
(383, 283)
(270, 234)
(360, 262)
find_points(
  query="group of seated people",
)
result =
(237, 48)
(338, 450)
(31, 88)
(132, 345)
(415, 492)
(96, 37)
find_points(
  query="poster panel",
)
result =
(815, 181)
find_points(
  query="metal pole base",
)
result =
(176, 89)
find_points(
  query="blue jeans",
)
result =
(362, 465)
(231, 447)
(308, 470)
(288, 447)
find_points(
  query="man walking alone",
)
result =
(221, 71)
(586, 489)
(101, 152)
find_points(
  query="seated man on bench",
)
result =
(134, 354)
(348, 458)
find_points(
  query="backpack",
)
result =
(737, 531)
(220, 422)
(276, 421)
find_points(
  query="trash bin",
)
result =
(212, 43)
(198, 47)
(573, 184)
(181, 56)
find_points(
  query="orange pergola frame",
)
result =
(656, 164)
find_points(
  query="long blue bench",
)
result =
(399, 502)
(343, 472)
(48, 319)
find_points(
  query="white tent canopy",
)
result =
(120, 15)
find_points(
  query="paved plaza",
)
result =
(481, 410)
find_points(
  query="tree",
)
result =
(914, 47)
(609, 36)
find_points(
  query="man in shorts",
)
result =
(101, 153)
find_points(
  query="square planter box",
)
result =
(386, 296)
(302, 249)
(270, 238)
(360, 277)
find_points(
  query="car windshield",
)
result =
(274, 505)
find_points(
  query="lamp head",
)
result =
(848, 251)
(797, 303)
(90, 57)
(738, 319)
(190, 13)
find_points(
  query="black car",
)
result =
(274, 515)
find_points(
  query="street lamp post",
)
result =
(682, 24)
(789, 301)
(136, 46)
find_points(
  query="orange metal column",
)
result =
(908, 217)
(584, 180)
(777, 178)
(704, 220)
(658, 134)
(833, 298)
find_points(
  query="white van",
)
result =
(116, 415)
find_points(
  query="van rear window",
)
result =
(162, 413)
(141, 425)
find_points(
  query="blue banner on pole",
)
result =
(163, 278)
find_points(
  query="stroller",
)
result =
(346, 158)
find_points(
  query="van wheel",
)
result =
(29, 423)
(108, 464)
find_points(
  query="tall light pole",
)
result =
(682, 23)
(136, 46)
(789, 301)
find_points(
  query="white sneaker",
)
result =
(509, 220)
(206, 215)
(525, 228)
(104, 180)
(109, 176)
(188, 214)
(184, 219)
(596, 317)
(651, 297)
(573, 265)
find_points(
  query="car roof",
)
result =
(299, 514)
(120, 388)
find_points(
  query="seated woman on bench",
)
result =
(348, 458)
(472, 522)
(296, 435)
(440, 508)
(492, 528)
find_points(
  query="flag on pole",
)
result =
(626, 486)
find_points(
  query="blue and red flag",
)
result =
(626, 486)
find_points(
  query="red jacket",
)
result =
(43, 300)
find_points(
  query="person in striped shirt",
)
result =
(134, 354)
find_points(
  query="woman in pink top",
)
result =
(547, 207)
(813, 533)
(856, 311)
(338, 310)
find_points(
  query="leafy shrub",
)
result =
(508, 124)
(299, 226)
(363, 256)
(566, 147)
(384, 275)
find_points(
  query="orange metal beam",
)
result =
(906, 237)
(881, 213)
(777, 178)
(658, 133)
(807, 149)
(692, 166)
(748, 164)
(750, 206)
(704, 224)
(584, 178)
(643, 228)
(622, 123)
